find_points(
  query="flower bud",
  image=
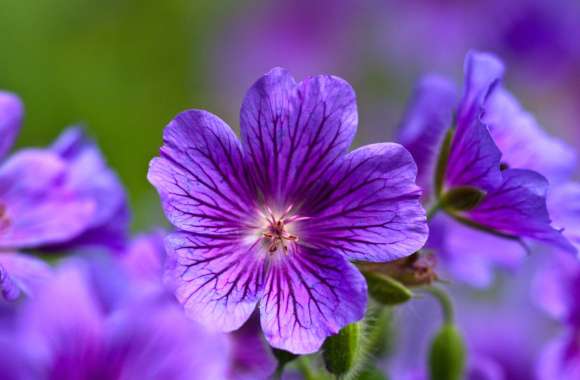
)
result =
(386, 290)
(342, 350)
(463, 198)
(371, 373)
(447, 355)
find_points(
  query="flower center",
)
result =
(277, 231)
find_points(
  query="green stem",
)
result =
(303, 364)
(279, 371)
(444, 302)
(434, 209)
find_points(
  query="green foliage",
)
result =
(342, 350)
(122, 68)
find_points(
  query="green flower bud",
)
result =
(386, 290)
(463, 198)
(342, 350)
(371, 373)
(447, 355)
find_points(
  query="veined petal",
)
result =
(219, 279)
(518, 208)
(11, 112)
(19, 272)
(523, 143)
(483, 71)
(200, 175)
(37, 208)
(369, 208)
(293, 133)
(474, 159)
(310, 294)
(426, 120)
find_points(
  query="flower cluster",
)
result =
(285, 242)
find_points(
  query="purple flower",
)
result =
(56, 198)
(555, 291)
(493, 149)
(249, 357)
(561, 358)
(273, 220)
(145, 257)
(36, 208)
(142, 336)
(90, 177)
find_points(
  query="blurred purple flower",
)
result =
(534, 35)
(142, 337)
(561, 358)
(36, 208)
(56, 198)
(144, 262)
(144, 259)
(487, 121)
(90, 177)
(555, 291)
(275, 219)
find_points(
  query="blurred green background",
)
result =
(122, 68)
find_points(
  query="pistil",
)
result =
(276, 230)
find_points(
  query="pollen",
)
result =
(277, 230)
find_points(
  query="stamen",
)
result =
(276, 231)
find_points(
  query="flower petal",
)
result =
(483, 71)
(560, 358)
(11, 112)
(90, 176)
(39, 210)
(426, 120)
(469, 262)
(555, 288)
(523, 143)
(293, 133)
(145, 257)
(564, 207)
(518, 208)
(310, 294)
(200, 175)
(369, 209)
(19, 272)
(67, 345)
(474, 159)
(219, 278)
